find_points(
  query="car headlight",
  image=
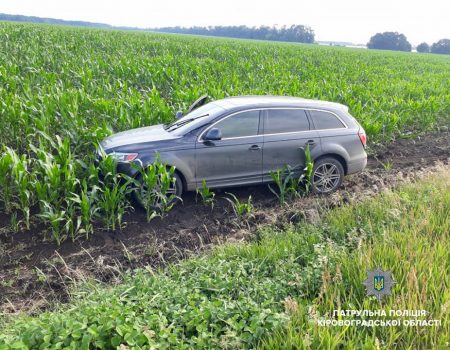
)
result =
(123, 157)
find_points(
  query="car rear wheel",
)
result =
(175, 189)
(328, 174)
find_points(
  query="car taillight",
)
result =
(362, 137)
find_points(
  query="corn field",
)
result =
(62, 90)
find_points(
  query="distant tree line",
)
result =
(293, 33)
(398, 42)
(389, 41)
(33, 19)
(441, 47)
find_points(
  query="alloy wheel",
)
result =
(326, 177)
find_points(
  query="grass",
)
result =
(62, 90)
(269, 293)
(407, 232)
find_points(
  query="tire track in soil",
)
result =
(34, 274)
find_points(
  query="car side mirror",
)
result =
(179, 115)
(213, 134)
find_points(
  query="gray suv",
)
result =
(241, 140)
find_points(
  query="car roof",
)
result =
(276, 101)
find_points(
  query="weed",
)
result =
(388, 166)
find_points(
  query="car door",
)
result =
(287, 132)
(235, 159)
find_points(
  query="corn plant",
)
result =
(14, 222)
(303, 183)
(153, 191)
(53, 112)
(6, 183)
(113, 200)
(308, 171)
(288, 184)
(20, 177)
(48, 182)
(88, 209)
(113, 204)
(55, 218)
(208, 196)
(283, 180)
(240, 208)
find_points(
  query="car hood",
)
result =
(141, 135)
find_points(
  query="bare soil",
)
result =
(35, 273)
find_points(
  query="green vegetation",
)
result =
(389, 41)
(407, 232)
(153, 185)
(289, 184)
(293, 33)
(285, 187)
(62, 90)
(240, 208)
(208, 196)
(239, 295)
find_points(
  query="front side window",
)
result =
(325, 120)
(239, 125)
(285, 121)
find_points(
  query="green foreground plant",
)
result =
(63, 90)
(288, 183)
(153, 187)
(49, 183)
(240, 208)
(272, 293)
(406, 232)
(208, 196)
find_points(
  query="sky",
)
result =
(332, 20)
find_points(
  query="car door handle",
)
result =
(309, 142)
(254, 148)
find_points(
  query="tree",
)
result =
(424, 48)
(442, 46)
(389, 41)
(294, 33)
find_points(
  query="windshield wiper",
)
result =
(179, 124)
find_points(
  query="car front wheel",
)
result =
(328, 174)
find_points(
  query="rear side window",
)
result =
(239, 125)
(286, 120)
(325, 120)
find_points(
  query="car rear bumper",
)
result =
(357, 165)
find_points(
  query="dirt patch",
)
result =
(34, 274)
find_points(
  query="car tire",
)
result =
(327, 175)
(178, 189)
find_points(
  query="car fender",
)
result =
(334, 148)
(182, 160)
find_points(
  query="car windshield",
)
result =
(192, 120)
